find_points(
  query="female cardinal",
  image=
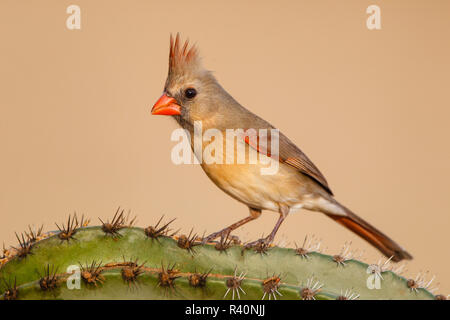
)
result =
(192, 94)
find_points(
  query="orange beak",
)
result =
(166, 106)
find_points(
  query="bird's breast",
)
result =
(253, 183)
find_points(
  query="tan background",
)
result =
(370, 108)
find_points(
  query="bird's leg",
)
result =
(269, 239)
(254, 213)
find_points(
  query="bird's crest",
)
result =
(182, 58)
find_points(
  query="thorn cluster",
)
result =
(166, 278)
(198, 280)
(345, 255)
(34, 235)
(188, 242)
(380, 267)
(67, 231)
(234, 284)
(131, 271)
(419, 282)
(118, 222)
(270, 287)
(11, 292)
(24, 247)
(154, 232)
(308, 246)
(49, 280)
(311, 289)
(348, 295)
(92, 274)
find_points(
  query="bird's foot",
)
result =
(260, 245)
(224, 233)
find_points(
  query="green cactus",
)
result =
(118, 261)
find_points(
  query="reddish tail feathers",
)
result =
(375, 237)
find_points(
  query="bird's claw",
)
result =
(260, 245)
(222, 234)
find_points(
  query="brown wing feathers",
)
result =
(293, 156)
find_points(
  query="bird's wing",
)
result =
(288, 153)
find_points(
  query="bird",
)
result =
(192, 94)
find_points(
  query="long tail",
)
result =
(366, 231)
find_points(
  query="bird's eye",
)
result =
(190, 93)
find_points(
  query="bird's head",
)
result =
(189, 88)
